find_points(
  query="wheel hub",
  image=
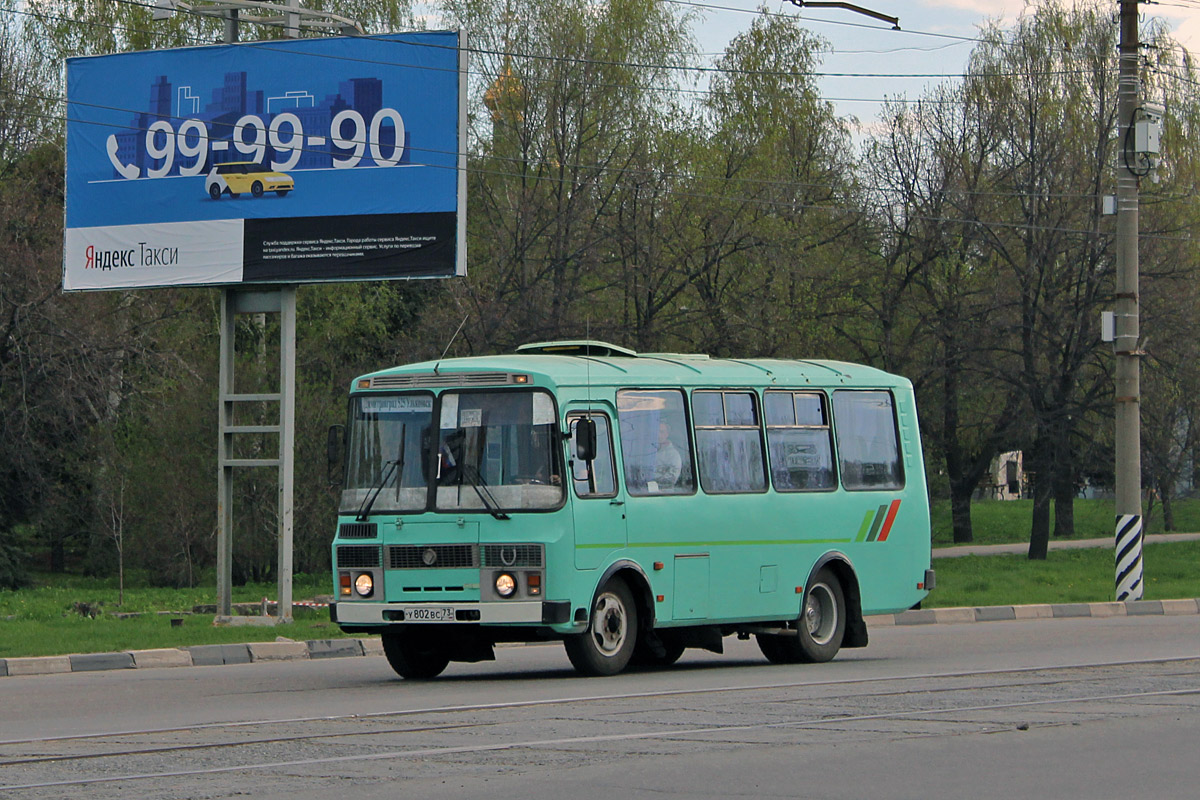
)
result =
(611, 628)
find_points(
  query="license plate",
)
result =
(443, 614)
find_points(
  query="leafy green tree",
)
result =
(558, 126)
(934, 292)
(1053, 73)
(773, 207)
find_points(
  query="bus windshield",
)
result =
(497, 452)
(388, 434)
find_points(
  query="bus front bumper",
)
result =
(536, 612)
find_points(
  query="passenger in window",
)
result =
(668, 463)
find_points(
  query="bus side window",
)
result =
(868, 445)
(728, 442)
(600, 479)
(800, 441)
(654, 442)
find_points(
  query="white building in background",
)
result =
(1005, 479)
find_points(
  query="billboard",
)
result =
(267, 162)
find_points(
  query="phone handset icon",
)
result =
(129, 171)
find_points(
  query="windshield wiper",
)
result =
(365, 509)
(471, 473)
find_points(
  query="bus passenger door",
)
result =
(598, 504)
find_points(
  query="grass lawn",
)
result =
(41, 620)
(1005, 521)
(1171, 570)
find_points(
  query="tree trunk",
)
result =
(1064, 506)
(1039, 533)
(58, 555)
(960, 511)
(1164, 491)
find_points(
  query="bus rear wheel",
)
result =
(819, 630)
(414, 656)
(607, 645)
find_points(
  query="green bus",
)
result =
(630, 505)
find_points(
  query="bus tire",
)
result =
(607, 645)
(413, 656)
(819, 629)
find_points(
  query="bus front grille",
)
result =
(512, 555)
(358, 556)
(433, 556)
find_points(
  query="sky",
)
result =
(861, 44)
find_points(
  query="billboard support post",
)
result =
(233, 302)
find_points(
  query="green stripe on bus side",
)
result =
(879, 516)
(866, 526)
(728, 543)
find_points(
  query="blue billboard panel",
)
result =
(267, 162)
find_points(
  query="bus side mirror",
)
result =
(585, 439)
(334, 451)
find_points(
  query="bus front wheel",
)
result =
(414, 656)
(819, 630)
(606, 647)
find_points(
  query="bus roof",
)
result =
(581, 362)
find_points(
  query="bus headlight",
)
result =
(364, 584)
(506, 584)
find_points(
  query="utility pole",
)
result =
(1127, 334)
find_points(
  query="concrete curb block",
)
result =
(277, 651)
(38, 665)
(1174, 607)
(334, 648)
(93, 662)
(163, 657)
(214, 655)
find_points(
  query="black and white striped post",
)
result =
(1129, 557)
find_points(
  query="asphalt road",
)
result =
(1061, 708)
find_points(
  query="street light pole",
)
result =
(1128, 378)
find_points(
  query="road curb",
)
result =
(252, 652)
(207, 655)
(950, 616)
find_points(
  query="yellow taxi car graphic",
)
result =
(235, 177)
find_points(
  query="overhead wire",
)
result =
(278, 45)
(790, 205)
(432, 152)
(504, 53)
